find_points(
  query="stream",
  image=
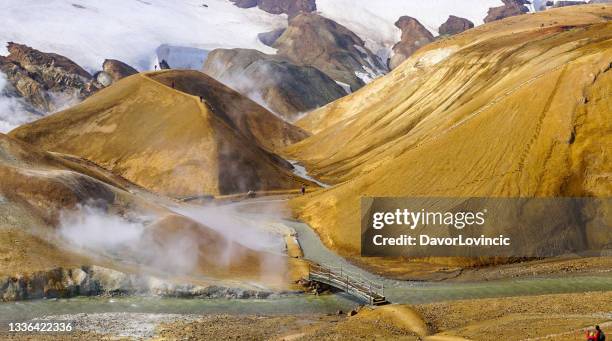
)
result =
(412, 292)
(396, 291)
(287, 305)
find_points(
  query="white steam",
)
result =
(248, 229)
(12, 110)
(93, 230)
(248, 86)
(135, 240)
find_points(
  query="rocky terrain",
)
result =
(289, 7)
(284, 88)
(455, 25)
(117, 69)
(316, 41)
(99, 281)
(421, 130)
(509, 9)
(47, 81)
(269, 38)
(549, 317)
(414, 36)
(178, 133)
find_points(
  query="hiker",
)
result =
(303, 190)
(172, 84)
(600, 334)
(595, 335)
(155, 67)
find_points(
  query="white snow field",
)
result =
(89, 31)
(374, 20)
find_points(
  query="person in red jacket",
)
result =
(600, 334)
(595, 335)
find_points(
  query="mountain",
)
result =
(414, 36)
(285, 88)
(373, 21)
(45, 80)
(179, 133)
(455, 25)
(509, 9)
(518, 107)
(61, 212)
(117, 69)
(183, 32)
(316, 41)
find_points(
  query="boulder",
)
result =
(245, 3)
(164, 65)
(289, 7)
(568, 3)
(414, 36)
(117, 69)
(103, 78)
(285, 88)
(269, 38)
(455, 25)
(509, 9)
(314, 40)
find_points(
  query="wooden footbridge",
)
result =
(353, 284)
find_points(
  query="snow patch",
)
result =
(369, 75)
(301, 171)
(434, 57)
(346, 87)
(182, 57)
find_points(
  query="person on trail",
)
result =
(303, 190)
(155, 67)
(600, 334)
(172, 84)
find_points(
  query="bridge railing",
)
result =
(350, 282)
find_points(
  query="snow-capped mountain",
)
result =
(142, 32)
(374, 20)
(90, 31)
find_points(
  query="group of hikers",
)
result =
(595, 335)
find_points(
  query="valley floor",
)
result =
(546, 317)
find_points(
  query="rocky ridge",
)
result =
(414, 36)
(45, 80)
(285, 88)
(455, 25)
(313, 40)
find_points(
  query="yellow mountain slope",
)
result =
(38, 188)
(519, 107)
(170, 141)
